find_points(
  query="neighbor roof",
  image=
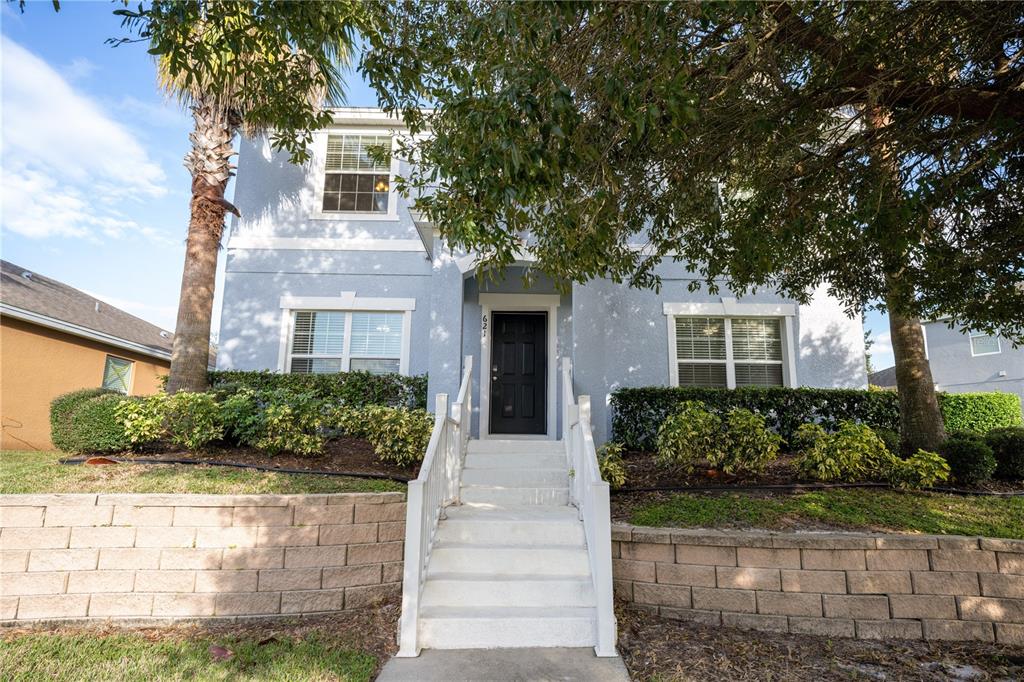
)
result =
(883, 377)
(35, 298)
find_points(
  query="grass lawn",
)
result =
(40, 472)
(864, 509)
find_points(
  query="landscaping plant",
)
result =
(980, 412)
(193, 420)
(923, 469)
(351, 389)
(62, 432)
(970, 460)
(95, 428)
(749, 445)
(611, 465)
(852, 454)
(1008, 447)
(690, 435)
(398, 436)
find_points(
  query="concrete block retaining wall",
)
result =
(839, 585)
(196, 556)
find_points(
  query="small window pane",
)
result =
(348, 182)
(757, 339)
(318, 333)
(347, 201)
(709, 375)
(983, 344)
(117, 374)
(364, 202)
(377, 334)
(364, 183)
(700, 338)
(374, 365)
(315, 365)
(330, 201)
(759, 375)
(332, 183)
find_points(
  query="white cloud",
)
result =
(79, 68)
(67, 165)
(881, 351)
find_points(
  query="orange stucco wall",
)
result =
(38, 364)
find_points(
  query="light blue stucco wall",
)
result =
(955, 370)
(615, 336)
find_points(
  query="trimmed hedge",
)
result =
(354, 389)
(62, 432)
(94, 426)
(637, 413)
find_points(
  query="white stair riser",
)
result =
(511, 532)
(517, 462)
(496, 495)
(539, 593)
(517, 478)
(492, 633)
(516, 446)
(509, 560)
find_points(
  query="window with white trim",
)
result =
(983, 344)
(324, 341)
(724, 352)
(354, 180)
(117, 374)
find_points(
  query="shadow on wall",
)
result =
(831, 360)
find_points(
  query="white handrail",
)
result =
(436, 487)
(589, 493)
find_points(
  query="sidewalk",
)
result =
(505, 665)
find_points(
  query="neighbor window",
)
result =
(983, 344)
(709, 351)
(337, 341)
(117, 374)
(355, 181)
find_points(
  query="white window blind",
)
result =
(983, 344)
(336, 341)
(117, 374)
(355, 181)
(710, 350)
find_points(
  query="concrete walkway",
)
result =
(505, 665)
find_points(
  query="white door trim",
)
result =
(490, 303)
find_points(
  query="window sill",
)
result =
(358, 217)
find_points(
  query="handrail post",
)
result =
(408, 629)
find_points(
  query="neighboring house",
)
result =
(966, 362)
(55, 339)
(329, 270)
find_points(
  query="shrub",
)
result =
(890, 437)
(923, 469)
(851, 454)
(806, 437)
(1008, 447)
(398, 436)
(354, 389)
(980, 412)
(750, 446)
(61, 408)
(193, 420)
(95, 427)
(610, 464)
(970, 459)
(290, 422)
(143, 418)
(688, 436)
(242, 417)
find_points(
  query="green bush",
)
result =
(637, 413)
(95, 427)
(290, 422)
(980, 412)
(890, 437)
(923, 469)
(242, 417)
(398, 436)
(143, 418)
(1008, 447)
(750, 446)
(611, 465)
(852, 454)
(354, 389)
(806, 437)
(970, 459)
(688, 436)
(193, 420)
(61, 408)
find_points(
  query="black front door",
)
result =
(519, 373)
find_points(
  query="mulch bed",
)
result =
(656, 648)
(340, 455)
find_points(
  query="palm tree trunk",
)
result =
(209, 161)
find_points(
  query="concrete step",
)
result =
(499, 495)
(516, 446)
(504, 559)
(474, 589)
(517, 478)
(513, 525)
(491, 460)
(454, 627)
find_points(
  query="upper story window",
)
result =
(325, 341)
(354, 180)
(983, 344)
(117, 374)
(727, 352)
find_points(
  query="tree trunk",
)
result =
(209, 161)
(921, 425)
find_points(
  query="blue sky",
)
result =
(94, 193)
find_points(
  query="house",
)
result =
(966, 362)
(55, 339)
(507, 544)
(329, 270)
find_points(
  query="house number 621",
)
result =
(483, 325)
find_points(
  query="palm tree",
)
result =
(248, 66)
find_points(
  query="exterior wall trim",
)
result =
(490, 303)
(324, 244)
(730, 308)
(84, 332)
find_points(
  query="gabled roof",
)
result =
(32, 297)
(884, 377)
